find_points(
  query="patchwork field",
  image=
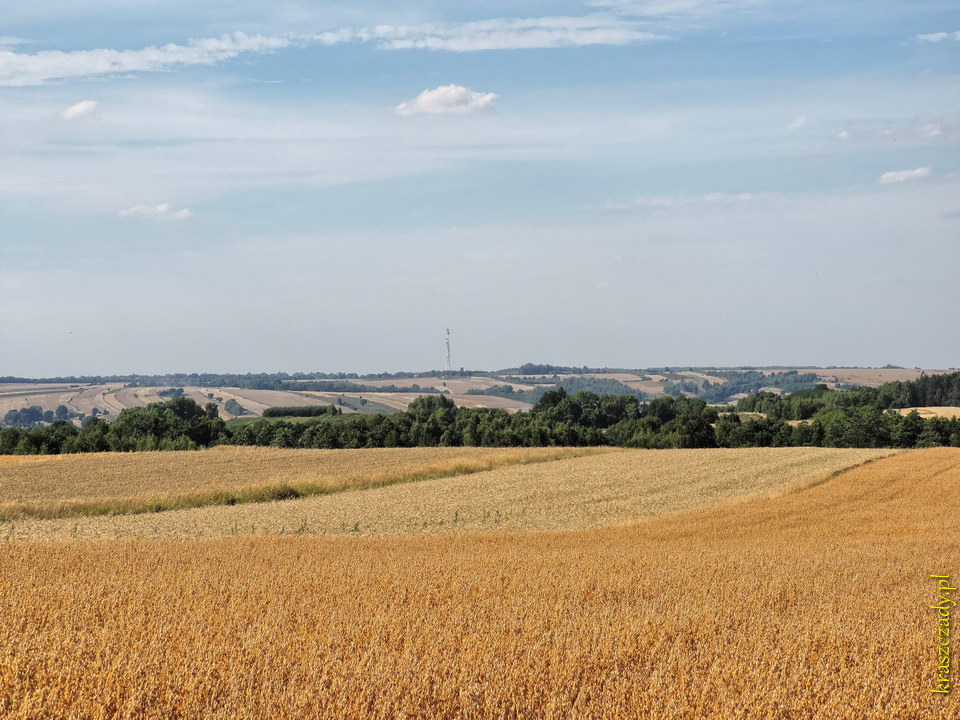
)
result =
(805, 604)
(456, 385)
(870, 377)
(115, 397)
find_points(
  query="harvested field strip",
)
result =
(70, 486)
(29, 393)
(579, 492)
(809, 605)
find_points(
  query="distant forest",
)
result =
(864, 417)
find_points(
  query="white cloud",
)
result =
(18, 69)
(900, 176)
(797, 123)
(673, 8)
(498, 34)
(163, 211)
(447, 100)
(843, 135)
(671, 201)
(36, 68)
(79, 110)
(939, 37)
(937, 128)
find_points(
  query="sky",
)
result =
(238, 186)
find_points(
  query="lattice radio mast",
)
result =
(449, 366)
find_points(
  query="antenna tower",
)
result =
(449, 366)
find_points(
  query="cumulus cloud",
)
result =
(843, 135)
(163, 211)
(498, 34)
(447, 100)
(939, 37)
(18, 69)
(797, 123)
(901, 176)
(673, 8)
(671, 201)
(81, 109)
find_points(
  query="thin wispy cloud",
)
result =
(447, 100)
(19, 69)
(673, 8)
(925, 129)
(797, 123)
(499, 34)
(163, 211)
(672, 201)
(894, 177)
(8, 41)
(938, 37)
(82, 109)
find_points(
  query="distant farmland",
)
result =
(114, 397)
(466, 391)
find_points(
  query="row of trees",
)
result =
(302, 411)
(841, 427)
(35, 415)
(928, 390)
(558, 418)
(177, 424)
(320, 382)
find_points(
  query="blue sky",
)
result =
(239, 186)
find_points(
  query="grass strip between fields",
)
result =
(10, 512)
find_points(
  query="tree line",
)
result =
(558, 418)
(302, 411)
(926, 391)
(177, 424)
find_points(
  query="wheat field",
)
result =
(809, 604)
(523, 490)
(932, 412)
(125, 483)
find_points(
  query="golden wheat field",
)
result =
(558, 489)
(117, 483)
(804, 604)
(932, 412)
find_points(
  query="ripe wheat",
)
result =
(810, 604)
(68, 486)
(517, 495)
